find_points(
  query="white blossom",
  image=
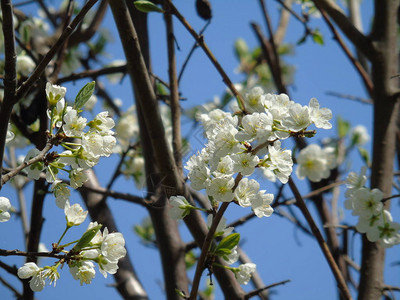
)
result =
(254, 100)
(103, 123)
(35, 169)
(179, 207)
(77, 177)
(246, 190)
(220, 188)
(315, 163)
(320, 116)
(299, 118)
(256, 126)
(244, 271)
(25, 65)
(61, 192)
(5, 206)
(261, 204)
(84, 272)
(245, 163)
(74, 124)
(359, 135)
(367, 202)
(232, 257)
(113, 246)
(30, 269)
(54, 93)
(74, 214)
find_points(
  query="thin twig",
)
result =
(17, 294)
(204, 250)
(4, 252)
(5, 178)
(256, 292)
(116, 195)
(324, 247)
(173, 91)
(349, 97)
(361, 71)
(27, 85)
(194, 47)
(210, 55)
(93, 73)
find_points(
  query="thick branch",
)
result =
(10, 77)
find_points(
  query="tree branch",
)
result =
(324, 247)
(358, 39)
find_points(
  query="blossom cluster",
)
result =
(373, 220)
(104, 249)
(84, 147)
(237, 145)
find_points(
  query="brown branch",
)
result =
(204, 250)
(324, 247)
(10, 74)
(17, 294)
(270, 54)
(92, 73)
(40, 157)
(113, 194)
(386, 108)
(82, 36)
(361, 71)
(173, 90)
(4, 252)
(12, 270)
(358, 39)
(349, 97)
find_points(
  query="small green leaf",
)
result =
(86, 238)
(318, 37)
(147, 6)
(343, 127)
(222, 251)
(228, 242)
(84, 94)
(364, 155)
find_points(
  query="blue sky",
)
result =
(279, 250)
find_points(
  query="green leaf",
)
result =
(86, 238)
(147, 6)
(228, 242)
(84, 94)
(222, 251)
(318, 37)
(343, 127)
(364, 155)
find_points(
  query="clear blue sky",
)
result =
(279, 250)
